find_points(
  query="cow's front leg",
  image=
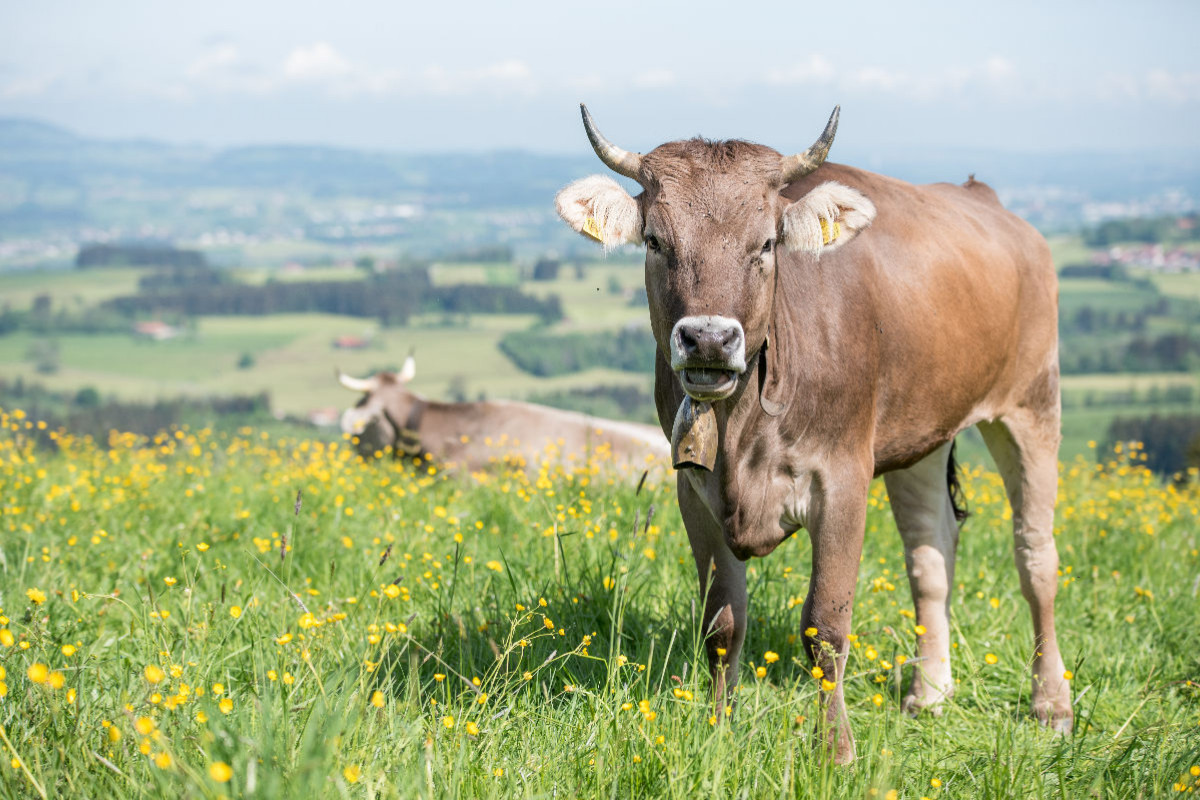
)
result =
(723, 589)
(836, 532)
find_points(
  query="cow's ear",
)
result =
(600, 209)
(826, 218)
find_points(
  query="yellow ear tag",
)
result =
(592, 228)
(830, 236)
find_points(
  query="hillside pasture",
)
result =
(204, 615)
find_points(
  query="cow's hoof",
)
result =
(914, 704)
(839, 744)
(1058, 717)
(1051, 704)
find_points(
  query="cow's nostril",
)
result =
(688, 340)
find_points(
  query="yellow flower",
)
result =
(770, 656)
(439, 677)
(990, 658)
(472, 729)
(226, 705)
(154, 673)
(828, 685)
(36, 596)
(68, 650)
(495, 566)
(202, 547)
(6, 637)
(920, 630)
(1068, 675)
(56, 680)
(935, 783)
(877, 699)
(392, 591)
(235, 611)
(170, 581)
(220, 772)
(201, 717)
(498, 772)
(810, 632)
(38, 673)
(162, 761)
(144, 726)
(448, 721)
(352, 773)
(818, 673)
(761, 672)
(377, 699)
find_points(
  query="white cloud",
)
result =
(219, 58)
(654, 79)
(27, 86)
(1173, 87)
(316, 62)
(814, 69)
(509, 75)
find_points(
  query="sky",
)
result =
(1071, 75)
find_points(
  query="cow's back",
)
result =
(950, 305)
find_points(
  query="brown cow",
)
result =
(477, 435)
(842, 325)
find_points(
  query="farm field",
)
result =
(243, 615)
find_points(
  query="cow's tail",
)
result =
(958, 500)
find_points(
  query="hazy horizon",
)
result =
(1074, 77)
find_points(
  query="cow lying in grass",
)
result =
(390, 417)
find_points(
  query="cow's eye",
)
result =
(768, 246)
(652, 243)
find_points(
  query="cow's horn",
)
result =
(619, 161)
(796, 167)
(357, 384)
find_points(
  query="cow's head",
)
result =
(381, 417)
(714, 223)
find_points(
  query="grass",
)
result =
(206, 615)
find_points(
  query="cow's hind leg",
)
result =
(1025, 447)
(925, 516)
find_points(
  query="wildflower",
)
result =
(218, 689)
(220, 772)
(162, 761)
(377, 699)
(760, 672)
(935, 783)
(226, 705)
(827, 685)
(38, 673)
(352, 773)
(154, 673)
(1068, 675)
(235, 611)
(36, 596)
(810, 632)
(495, 566)
(877, 699)
(448, 721)
(472, 729)
(6, 637)
(169, 581)
(770, 656)
(818, 673)
(991, 658)
(498, 772)
(202, 547)
(201, 717)
(144, 726)
(439, 677)
(920, 630)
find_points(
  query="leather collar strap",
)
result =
(408, 435)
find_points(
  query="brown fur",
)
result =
(478, 435)
(941, 314)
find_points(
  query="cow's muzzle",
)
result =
(708, 353)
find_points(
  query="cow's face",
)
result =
(713, 222)
(378, 418)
